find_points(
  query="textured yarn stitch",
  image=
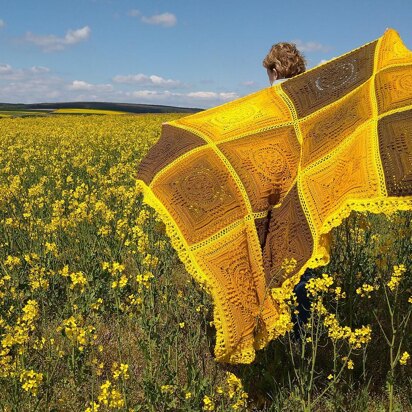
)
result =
(334, 139)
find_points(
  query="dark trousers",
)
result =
(304, 302)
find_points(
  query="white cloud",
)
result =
(5, 69)
(152, 93)
(40, 84)
(143, 79)
(199, 99)
(164, 19)
(310, 46)
(228, 96)
(39, 69)
(213, 95)
(82, 85)
(203, 95)
(2, 23)
(26, 86)
(7, 72)
(51, 42)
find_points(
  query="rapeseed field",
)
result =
(97, 313)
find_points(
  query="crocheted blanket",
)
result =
(247, 185)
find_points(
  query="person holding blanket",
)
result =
(284, 61)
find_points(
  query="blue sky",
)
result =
(177, 52)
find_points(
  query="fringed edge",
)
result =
(321, 256)
(384, 204)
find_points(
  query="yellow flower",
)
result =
(78, 335)
(51, 247)
(167, 389)
(143, 279)
(235, 391)
(65, 271)
(150, 260)
(104, 392)
(122, 281)
(318, 285)
(330, 376)
(181, 325)
(339, 294)
(396, 277)
(350, 364)
(12, 261)
(116, 399)
(208, 404)
(404, 358)
(99, 368)
(121, 370)
(365, 290)
(31, 311)
(37, 278)
(96, 305)
(114, 268)
(188, 395)
(135, 300)
(94, 407)
(113, 398)
(78, 279)
(31, 381)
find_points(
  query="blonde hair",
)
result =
(286, 59)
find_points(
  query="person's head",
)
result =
(283, 61)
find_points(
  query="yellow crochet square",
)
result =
(238, 299)
(264, 161)
(394, 88)
(264, 109)
(392, 51)
(349, 174)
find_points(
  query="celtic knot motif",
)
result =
(271, 162)
(337, 76)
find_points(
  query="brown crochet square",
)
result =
(172, 144)
(289, 236)
(395, 145)
(328, 83)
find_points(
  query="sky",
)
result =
(186, 53)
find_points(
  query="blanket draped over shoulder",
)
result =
(310, 150)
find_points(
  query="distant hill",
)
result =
(124, 107)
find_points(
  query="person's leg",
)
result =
(304, 302)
